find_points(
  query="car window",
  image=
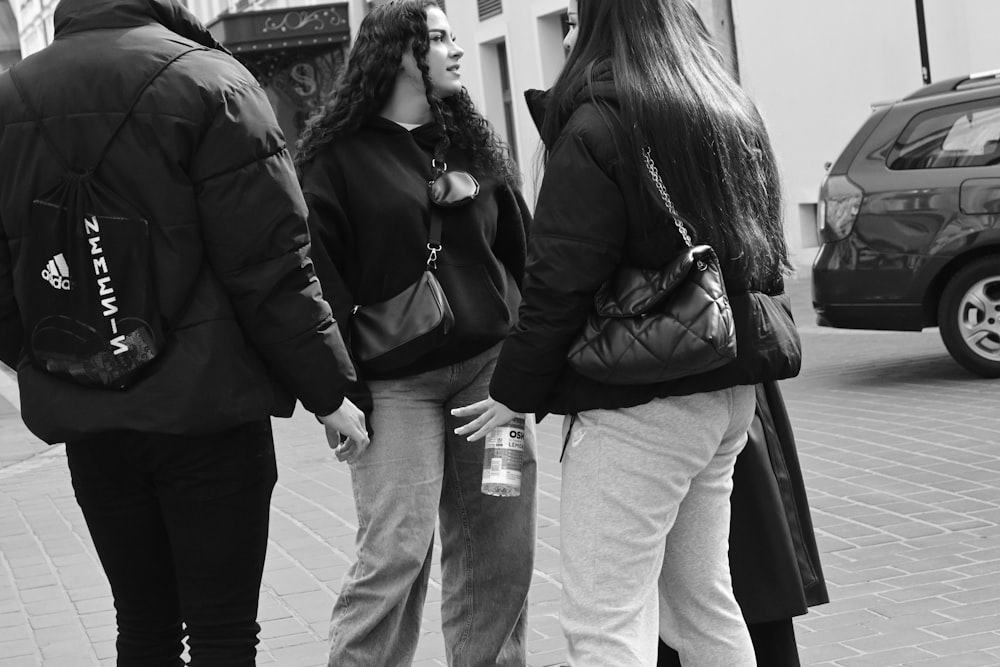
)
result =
(964, 135)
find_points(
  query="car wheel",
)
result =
(969, 316)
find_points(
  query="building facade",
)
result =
(295, 51)
(294, 47)
(814, 67)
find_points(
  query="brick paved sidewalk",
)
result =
(904, 479)
(56, 608)
(901, 452)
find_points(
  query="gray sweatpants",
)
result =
(645, 532)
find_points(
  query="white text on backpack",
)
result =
(107, 290)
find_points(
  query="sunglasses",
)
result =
(451, 189)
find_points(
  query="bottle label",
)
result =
(503, 456)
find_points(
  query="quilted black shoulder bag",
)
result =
(655, 325)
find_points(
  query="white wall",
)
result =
(813, 66)
(533, 32)
(983, 19)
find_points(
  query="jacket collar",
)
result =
(73, 16)
(602, 88)
(538, 103)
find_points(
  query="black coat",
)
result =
(773, 555)
(203, 158)
(594, 214)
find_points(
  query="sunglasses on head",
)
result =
(450, 189)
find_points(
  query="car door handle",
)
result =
(980, 196)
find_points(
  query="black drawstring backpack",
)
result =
(87, 298)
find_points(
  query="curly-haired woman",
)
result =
(399, 119)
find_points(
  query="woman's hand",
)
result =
(488, 413)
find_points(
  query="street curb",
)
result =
(54, 454)
(8, 387)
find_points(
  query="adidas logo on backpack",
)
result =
(56, 273)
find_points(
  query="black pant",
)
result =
(180, 525)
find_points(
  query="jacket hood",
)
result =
(427, 136)
(79, 15)
(601, 88)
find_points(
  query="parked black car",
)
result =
(909, 220)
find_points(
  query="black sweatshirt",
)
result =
(369, 216)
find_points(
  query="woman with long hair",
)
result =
(647, 468)
(398, 150)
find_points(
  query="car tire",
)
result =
(969, 316)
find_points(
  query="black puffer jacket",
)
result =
(594, 215)
(203, 158)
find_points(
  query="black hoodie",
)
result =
(369, 214)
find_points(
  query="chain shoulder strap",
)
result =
(654, 174)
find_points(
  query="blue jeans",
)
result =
(415, 472)
(180, 525)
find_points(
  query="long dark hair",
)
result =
(676, 96)
(367, 82)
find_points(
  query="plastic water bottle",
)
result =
(502, 458)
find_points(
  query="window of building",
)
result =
(964, 135)
(508, 98)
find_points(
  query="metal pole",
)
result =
(925, 59)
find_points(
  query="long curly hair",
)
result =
(368, 80)
(707, 137)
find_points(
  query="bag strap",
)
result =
(438, 167)
(37, 117)
(654, 174)
(434, 239)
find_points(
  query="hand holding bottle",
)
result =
(503, 449)
(487, 413)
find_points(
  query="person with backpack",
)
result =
(159, 305)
